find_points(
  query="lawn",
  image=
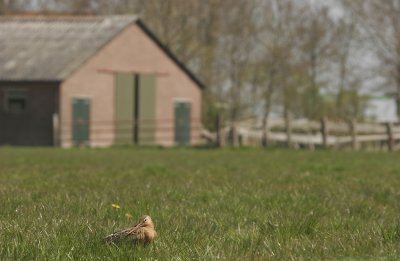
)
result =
(248, 204)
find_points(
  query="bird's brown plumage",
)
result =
(142, 232)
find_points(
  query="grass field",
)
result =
(207, 204)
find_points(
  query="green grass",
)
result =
(207, 204)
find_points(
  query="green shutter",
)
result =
(124, 108)
(80, 120)
(182, 123)
(147, 109)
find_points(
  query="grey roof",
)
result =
(51, 48)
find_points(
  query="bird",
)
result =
(142, 232)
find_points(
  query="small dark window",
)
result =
(15, 101)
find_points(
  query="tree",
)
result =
(344, 39)
(10, 6)
(315, 46)
(277, 34)
(235, 51)
(3, 7)
(78, 6)
(380, 27)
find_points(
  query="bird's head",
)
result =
(146, 221)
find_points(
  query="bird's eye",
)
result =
(145, 220)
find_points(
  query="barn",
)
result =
(93, 81)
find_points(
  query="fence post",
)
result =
(288, 128)
(353, 134)
(219, 131)
(56, 130)
(235, 136)
(265, 130)
(310, 144)
(389, 130)
(324, 132)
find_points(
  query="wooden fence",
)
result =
(303, 133)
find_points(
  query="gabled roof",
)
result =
(169, 53)
(51, 48)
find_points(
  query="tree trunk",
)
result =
(324, 132)
(389, 130)
(353, 134)
(339, 103)
(268, 98)
(288, 128)
(235, 136)
(219, 132)
(398, 105)
(265, 131)
(314, 87)
(398, 98)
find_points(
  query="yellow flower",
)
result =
(128, 215)
(116, 206)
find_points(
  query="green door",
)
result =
(182, 123)
(147, 110)
(125, 98)
(135, 109)
(80, 120)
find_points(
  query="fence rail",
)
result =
(303, 133)
(299, 133)
(143, 131)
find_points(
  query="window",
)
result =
(15, 101)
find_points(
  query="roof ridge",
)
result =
(64, 18)
(100, 30)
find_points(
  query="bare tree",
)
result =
(380, 26)
(316, 40)
(344, 38)
(276, 35)
(3, 7)
(10, 6)
(236, 46)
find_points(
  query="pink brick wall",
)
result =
(132, 50)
